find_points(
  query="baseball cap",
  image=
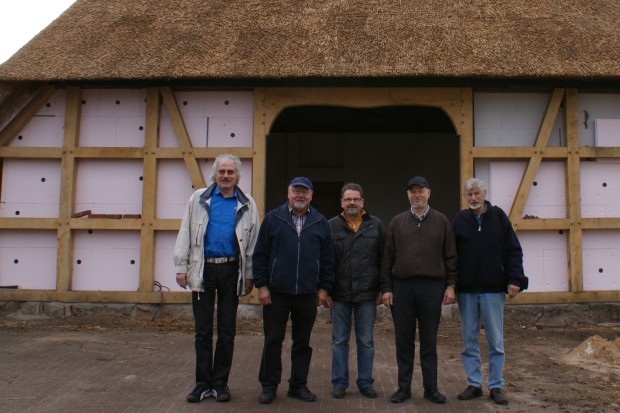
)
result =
(301, 181)
(418, 180)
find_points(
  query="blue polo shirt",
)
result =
(220, 238)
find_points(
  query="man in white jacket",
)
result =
(213, 256)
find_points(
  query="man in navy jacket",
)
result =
(490, 265)
(293, 270)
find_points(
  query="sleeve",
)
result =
(260, 257)
(450, 255)
(514, 252)
(328, 260)
(251, 241)
(387, 260)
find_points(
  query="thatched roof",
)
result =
(112, 40)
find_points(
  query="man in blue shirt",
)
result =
(213, 256)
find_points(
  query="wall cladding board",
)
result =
(591, 107)
(109, 186)
(113, 118)
(545, 260)
(174, 186)
(601, 260)
(547, 198)
(46, 128)
(165, 272)
(28, 259)
(30, 188)
(212, 119)
(106, 260)
(600, 190)
(513, 119)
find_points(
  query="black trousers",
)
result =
(302, 309)
(417, 301)
(212, 369)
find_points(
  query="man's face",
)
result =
(352, 203)
(475, 199)
(299, 198)
(418, 197)
(226, 176)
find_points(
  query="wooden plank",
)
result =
(466, 138)
(29, 223)
(541, 224)
(106, 224)
(203, 153)
(541, 142)
(599, 152)
(167, 224)
(64, 267)
(600, 223)
(517, 152)
(20, 121)
(259, 163)
(540, 298)
(573, 191)
(30, 153)
(178, 125)
(149, 191)
(109, 153)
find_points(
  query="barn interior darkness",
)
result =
(380, 148)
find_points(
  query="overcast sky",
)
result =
(21, 20)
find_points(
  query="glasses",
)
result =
(349, 200)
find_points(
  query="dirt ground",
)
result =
(568, 369)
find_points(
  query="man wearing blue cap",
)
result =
(293, 270)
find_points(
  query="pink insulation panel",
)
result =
(46, 128)
(106, 260)
(113, 118)
(28, 259)
(547, 198)
(165, 272)
(600, 190)
(109, 186)
(601, 260)
(30, 188)
(545, 259)
(174, 186)
(212, 119)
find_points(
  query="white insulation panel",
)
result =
(545, 260)
(600, 190)
(28, 259)
(46, 128)
(165, 272)
(601, 260)
(106, 260)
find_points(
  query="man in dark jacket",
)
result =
(490, 265)
(293, 264)
(359, 239)
(418, 274)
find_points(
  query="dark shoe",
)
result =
(267, 396)
(400, 396)
(434, 396)
(200, 392)
(339, 392)
(302, 393)
(369, 392)
(498, 396)
(470, 392)
(222, 394)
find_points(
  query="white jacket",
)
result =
(189, 248)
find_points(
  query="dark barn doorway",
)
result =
(379, 148)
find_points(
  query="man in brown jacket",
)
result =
(418, 274)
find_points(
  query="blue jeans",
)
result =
(364, 313)
(488, 308)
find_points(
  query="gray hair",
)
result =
(351, 186)
(226, 157)
(472, 183)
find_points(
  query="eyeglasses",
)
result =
(356, 200)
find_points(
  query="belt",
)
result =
(220, 260)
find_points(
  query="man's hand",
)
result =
(264, 296)
(513, 290)
(182, 279)
(449, 296)
(329, 303)
(322, 298)
(249, 286)
(388, 299)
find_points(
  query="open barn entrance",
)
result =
(379, 148)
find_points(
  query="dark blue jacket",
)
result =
(286, 262)
(483, 267)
